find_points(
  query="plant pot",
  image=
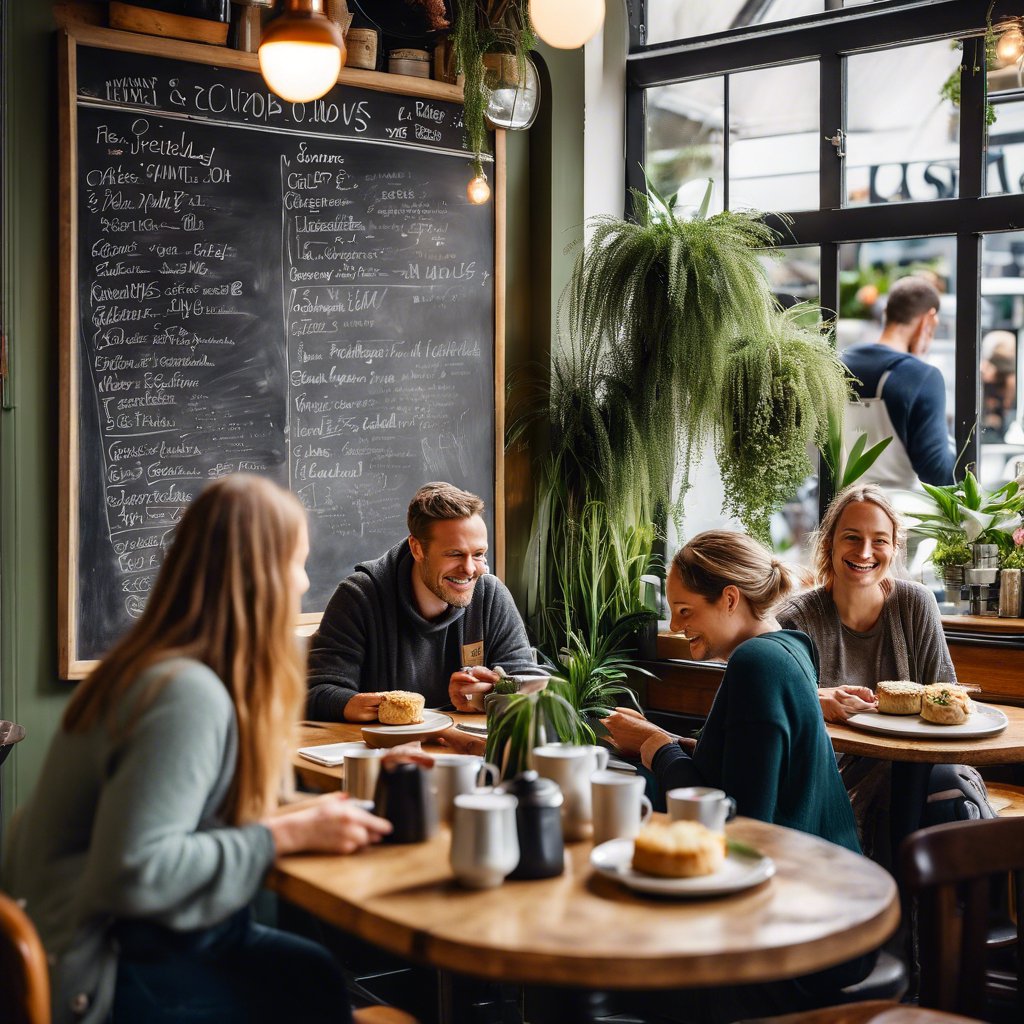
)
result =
(953, 580)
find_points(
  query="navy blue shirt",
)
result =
(915, 397)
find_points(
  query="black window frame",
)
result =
(829, 37)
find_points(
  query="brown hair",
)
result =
(908, 298)
(824, 536)
(439, 500)
(223, 597)
(716, 559)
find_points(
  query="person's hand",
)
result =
(329, 824)
(462, 742)
(630, 730)
(407, 753)
(467, 680)
(362, 707)
(839, 702)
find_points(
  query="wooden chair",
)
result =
(949, 868)
(24, 978)
(25, 984)
(875, 1012)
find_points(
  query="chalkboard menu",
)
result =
(296, 290)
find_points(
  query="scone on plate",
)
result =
(678, 849)
(945, 704)
(899, 697)
(400, 707)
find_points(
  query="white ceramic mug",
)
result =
(455, 774)
(711, 807)
(571, 767)
(485, 843)
(362, 767)
(620, 806)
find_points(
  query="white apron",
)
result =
(892, 469)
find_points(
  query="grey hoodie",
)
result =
(372, 637)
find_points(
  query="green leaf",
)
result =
(705, 205)
(855, 469)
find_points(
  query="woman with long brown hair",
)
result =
(156, 813)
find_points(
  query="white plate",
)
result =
(614, 859)
(984, 721)
(330, 754)
(391, 735)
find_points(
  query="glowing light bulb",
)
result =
(478, 191)
(1010, 45)
(301, 52)
(566, 24)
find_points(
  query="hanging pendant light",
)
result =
(1010, 45)
(566, 24)
(478, 191)
(301, 52)
(512, 99)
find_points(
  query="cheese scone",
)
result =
(678, 849)
(899, 697)
(945, 704)
(400, 707)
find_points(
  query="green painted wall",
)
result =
(545, 210)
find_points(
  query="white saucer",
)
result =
(614, 859)
(984, 721)
(330, 754)
(378, 735)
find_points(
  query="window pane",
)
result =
(1002, 318)
(773, 138)
(686, 139)
(672, 19)
(1005, 155)
(867, 272)
(902, 136)
(795, 275)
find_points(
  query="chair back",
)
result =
(24, 977)
(949, 868)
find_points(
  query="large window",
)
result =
(891, 150)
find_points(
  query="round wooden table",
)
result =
(824, 905)
(1005, 748)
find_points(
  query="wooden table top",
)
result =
(1005, 748)
(824, 905)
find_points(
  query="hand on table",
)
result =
(471, 679)
(839, 702)
(362, 707)
(629, 730)
(407, 753)
(328, 824)
(462, 742)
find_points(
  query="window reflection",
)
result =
(1005, 153)
(670, 19)
(902, 135)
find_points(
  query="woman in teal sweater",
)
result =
(764, 742)
(156, 813)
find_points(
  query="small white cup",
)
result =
(361, 770)
(711, 807)
(571, 767)
(455, 774)
(620, 806)
(485, 842)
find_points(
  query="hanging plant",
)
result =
(485, 26)
(781, 390)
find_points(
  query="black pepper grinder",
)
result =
(539, 825)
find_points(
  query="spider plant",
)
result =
(844, 471)
(522, 721)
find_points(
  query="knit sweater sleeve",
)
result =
(925, 637)
(150, 857)
(507, 644)
(337, 653)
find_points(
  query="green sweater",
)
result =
(128, 828)
(765, 742)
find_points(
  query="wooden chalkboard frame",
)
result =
(70, 666)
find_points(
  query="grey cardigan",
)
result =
(127, 827)
(910, 625)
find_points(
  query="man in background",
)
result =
(426, 616)
(900, 395)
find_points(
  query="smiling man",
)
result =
(426, 616)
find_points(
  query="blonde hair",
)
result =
(824, 537)
(436, 501)
(716, 559)
(223, 597)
